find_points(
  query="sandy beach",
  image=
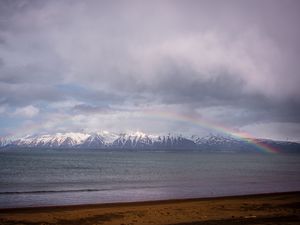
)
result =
(278, 208)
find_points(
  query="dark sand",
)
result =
(270, 209)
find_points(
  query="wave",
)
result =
(50, 191)
(81, 190)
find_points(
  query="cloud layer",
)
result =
(72, 65)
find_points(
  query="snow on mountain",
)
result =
(104, 139)
(108, 137)
(52, 141)
(139, 140)
(4, 142)
(93, 141)
(134, 140)
(175, 142)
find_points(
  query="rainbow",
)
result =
(214, 126)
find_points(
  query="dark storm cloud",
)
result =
(85, 94)
(235, 60)
(226, 91)
(25, 94)
(29, 93)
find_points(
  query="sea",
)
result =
(40, 177)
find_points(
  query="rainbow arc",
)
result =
(246, 137)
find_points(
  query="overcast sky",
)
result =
(70, 65)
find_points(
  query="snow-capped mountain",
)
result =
(140, 141)
(143, 141)
(4, 142)
(133, 140)
(221, 142)
(58, 140)
(137, 140)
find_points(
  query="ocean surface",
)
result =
(64, 177)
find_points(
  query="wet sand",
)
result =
(271, 209)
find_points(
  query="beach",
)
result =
(277, 208)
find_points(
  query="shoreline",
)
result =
(247, 209)
(150, 202)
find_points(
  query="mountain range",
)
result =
(142, 141)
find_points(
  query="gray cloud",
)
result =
(236, 62)
(89, 109)
(23, 94)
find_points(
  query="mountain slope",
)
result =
(4, 142)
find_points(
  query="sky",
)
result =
(126, 66)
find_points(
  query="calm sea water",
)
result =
(40, 177)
